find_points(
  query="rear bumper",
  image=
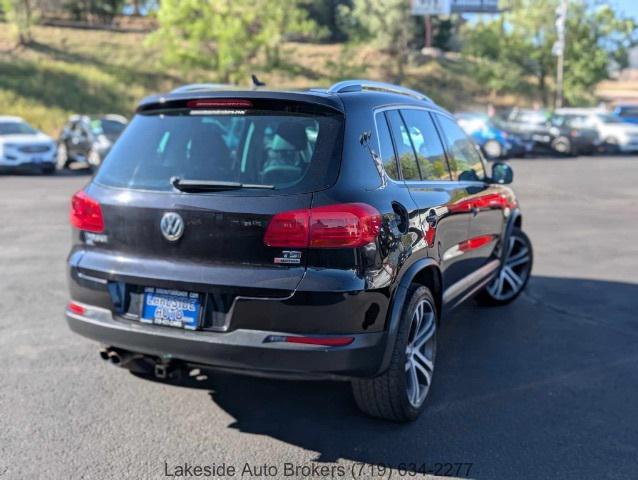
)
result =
(242, 349)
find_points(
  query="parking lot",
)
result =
(543, 388)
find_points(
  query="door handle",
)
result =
(402, 217)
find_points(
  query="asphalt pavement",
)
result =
(543, 388)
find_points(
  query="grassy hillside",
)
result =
(69, 71)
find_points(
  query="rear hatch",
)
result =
(188, 191)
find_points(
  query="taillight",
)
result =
(345, 225)
(86, 213)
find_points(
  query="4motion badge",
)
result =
(289, 257)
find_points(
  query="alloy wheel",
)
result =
(493, 149)
(514, 272)
(94, 159)
(62, 159)
(420, 353)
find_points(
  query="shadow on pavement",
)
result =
(543, 388)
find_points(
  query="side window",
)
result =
(403, 144)
(386, 149)
(78, 131)
(465, 160)
(426, 141)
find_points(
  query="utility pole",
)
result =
(559, 51)
(428, 30)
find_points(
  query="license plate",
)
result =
(36, 159)
(171, 308)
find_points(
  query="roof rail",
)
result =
(202, 87)
(360, 85)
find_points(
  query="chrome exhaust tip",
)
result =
(114, 357)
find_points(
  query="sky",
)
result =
(628, 7)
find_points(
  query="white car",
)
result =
(615, 134)
(24, 147)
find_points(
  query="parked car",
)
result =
(629, 113)
(88, 139)
(328, 240)
(615, 134)
(495, 142)
(550, 133)
(23, 147)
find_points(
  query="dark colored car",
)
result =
(550, 133)
(577, 137)
(494, 141)
(326, 239)
(88, 139)
(629, 113)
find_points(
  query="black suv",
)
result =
(315, 234)
(551, 133)
(88, 139)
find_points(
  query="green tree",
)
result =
(92, 11)
(20, 13)
(387, 23)
(325, 13)
(513, 54)
(598, 41)
(227, 35)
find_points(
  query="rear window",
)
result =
(291, 151)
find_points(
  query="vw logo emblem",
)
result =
(172, 226)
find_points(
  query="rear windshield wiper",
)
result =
(194, 186)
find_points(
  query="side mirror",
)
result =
(502, 173)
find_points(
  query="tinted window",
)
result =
(403, 144)
(609, 118)
(287, 150)
(533, 117)
(16, 128)
(428, 147)
(628, 111)
(465, 160)
(386, 148)
(107, 127)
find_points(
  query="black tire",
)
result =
(386, 396)
(489, 295)
(611, 145)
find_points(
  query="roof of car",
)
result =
(104, 116)
(329, 97)
(9, 118)
(580, 111)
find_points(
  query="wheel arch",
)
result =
(425, 271)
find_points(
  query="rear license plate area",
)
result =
(171, 308)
